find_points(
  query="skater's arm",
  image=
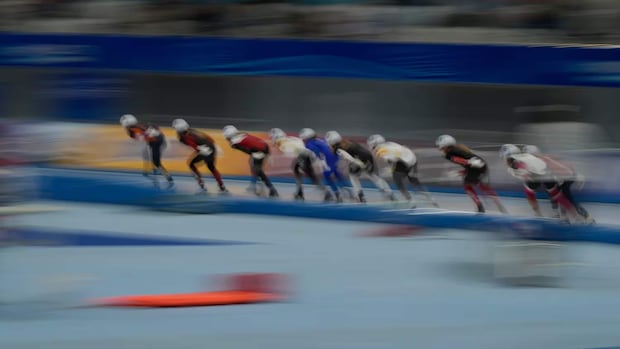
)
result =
(343, 154)
(242, 148)
(457, 159)
(518, 169)
(314, 149)
(189, 140)
(136, 133)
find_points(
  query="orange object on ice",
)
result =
(197, 299)
(242, 289)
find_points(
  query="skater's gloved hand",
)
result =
(359, 163)
(324, 165)
(518, 173)
(205, 150)
(580, 181)
(343, 154)
(475, 162)
(258, 155)
(455, 173)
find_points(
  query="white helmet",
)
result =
(128, 120)
(374, 141)
(229, 131)
(531, 149)
(180, 125)
(445, 141)
(507, 150)
(306, 133)
(276, 133)
(332, 137)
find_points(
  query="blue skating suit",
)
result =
(323, 152)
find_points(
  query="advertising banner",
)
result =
(445, 63)
(81, 95)
(108, 147)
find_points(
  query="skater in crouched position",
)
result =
(205, 150)
(404, 165)
(361, 164)
(258, 150)
(535, 173)
(303, 162)
(566, 176)
(475, 170)
(155, 144)
(328, 161)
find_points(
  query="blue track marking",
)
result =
(57, 238)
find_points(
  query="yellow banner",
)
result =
(109, 147)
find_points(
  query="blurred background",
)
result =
(482, 21)
(485, 71)
(489, 72)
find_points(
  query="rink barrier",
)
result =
(126, 190)
(504, 225)
(101, 188)
(53, 179)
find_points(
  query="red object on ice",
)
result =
(394, 231)
(238, 289)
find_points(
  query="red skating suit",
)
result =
(195, 139)
(249, 144)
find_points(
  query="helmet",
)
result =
(180, 125)
(229, 131)
(306, 133)
(507, 150)
(128, 120)
(374, 141)
(332, 137)
(445, 141)
(276, 133)
(531, 149)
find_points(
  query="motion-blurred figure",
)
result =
(327, 159)
(475, 170)
(205, 150)
(361, 164)
(155, 144)
(258, 150)
(302, 164)
(534, 173)
(566, 176)
(404, 165)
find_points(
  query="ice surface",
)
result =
(433, 290)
